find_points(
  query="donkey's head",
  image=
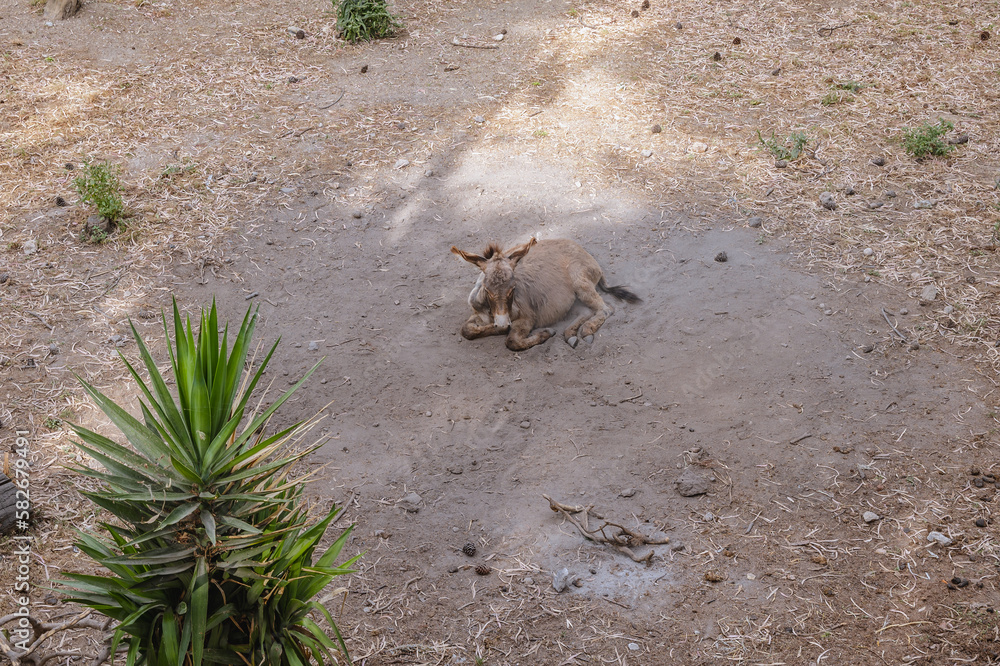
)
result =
(498, 277)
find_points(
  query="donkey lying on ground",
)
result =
(536, 285)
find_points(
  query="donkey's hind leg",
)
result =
(569, 335)
(587, 326)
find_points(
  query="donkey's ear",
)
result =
(469, 257)
(516, 254)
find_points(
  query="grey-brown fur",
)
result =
(536, 285)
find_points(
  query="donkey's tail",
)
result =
(621, 293)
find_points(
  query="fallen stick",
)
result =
(623, 540)
(470, 45)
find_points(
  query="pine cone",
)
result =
(483, 570)
(469, 549)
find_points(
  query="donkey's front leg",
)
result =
(521, 336)
(479, 326)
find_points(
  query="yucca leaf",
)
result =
(230, 521)
(165, 555)
(169, 639)
(135, 432)
(208, 520)
(198, 613)
(163, 402)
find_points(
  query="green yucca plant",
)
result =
(210, 551)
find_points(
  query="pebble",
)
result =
(980, 522)
(293, 79)
(628, 492)
(780, 164)
(891, 194)
(937, 537)
(708, 517)
(875, 204)
(868, 252)
(775, 71)
(929, 293)
(381, 534)
(429, 173)
(647, 153)
(827, 201)
(634, 647)
(722, 257)
(948, 309)
(656, 129)
(479, 119)
(525, 424)
(287, 190)
(313, 346)
(498, 38)
(690, 484)
(878, 161)
(868, 349)
(755, 222)
(699, 147)
(400, 163)
(959, 140)
(904, 311)
(528, 580)
(411, 503)
(849, 190)
(679, 25)
(30, 246)
(924, 204)
(870, 516)
(298, 33)
(428, 414)
(356, 214)
(914, 346)
(560, 579)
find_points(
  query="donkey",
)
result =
(530, 287)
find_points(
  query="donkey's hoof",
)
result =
(589, 339)
(573, 341)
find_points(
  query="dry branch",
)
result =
(613, 534)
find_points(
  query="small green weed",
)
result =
(53, 423)
(927, 139)
(788, 149)
(852, 86)
(98, 185)
(364, 20)
(541, 134)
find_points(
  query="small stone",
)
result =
(560, 580)
(679, 25)
(722, 257)
(293, 79)
(30, 246)
(381, 534)
(980, 522)
(691, 484)
(959, 140)
(891, 194)
(528, 580)
(53, 349)
(400, 163)
(356, 214)
(875, 204)
(453, 569)
(849, 190)
(868, 252)
(937, 537)
(708, 517)
(298, 33)
(628, 492)
(410, 503)
(974, 471)
(914, 346)
(634, 647)
(924, 204)
(755, 222)
(313, 346)
(870, 516)
(868, 349)
(698, 147)
(479, 119)
(878, 161)
(429, 173)
(780, 164)
(775, 71)
(647, 153)
(525, 424)
(428, 414)
(827, 201)
(929, 293)
(904, 311)
(364, 69)
(287, 190)
(656, 129)
(948, 309)
(498, 38)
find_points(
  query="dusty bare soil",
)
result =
(779, 383)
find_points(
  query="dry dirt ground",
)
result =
(775, 376)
